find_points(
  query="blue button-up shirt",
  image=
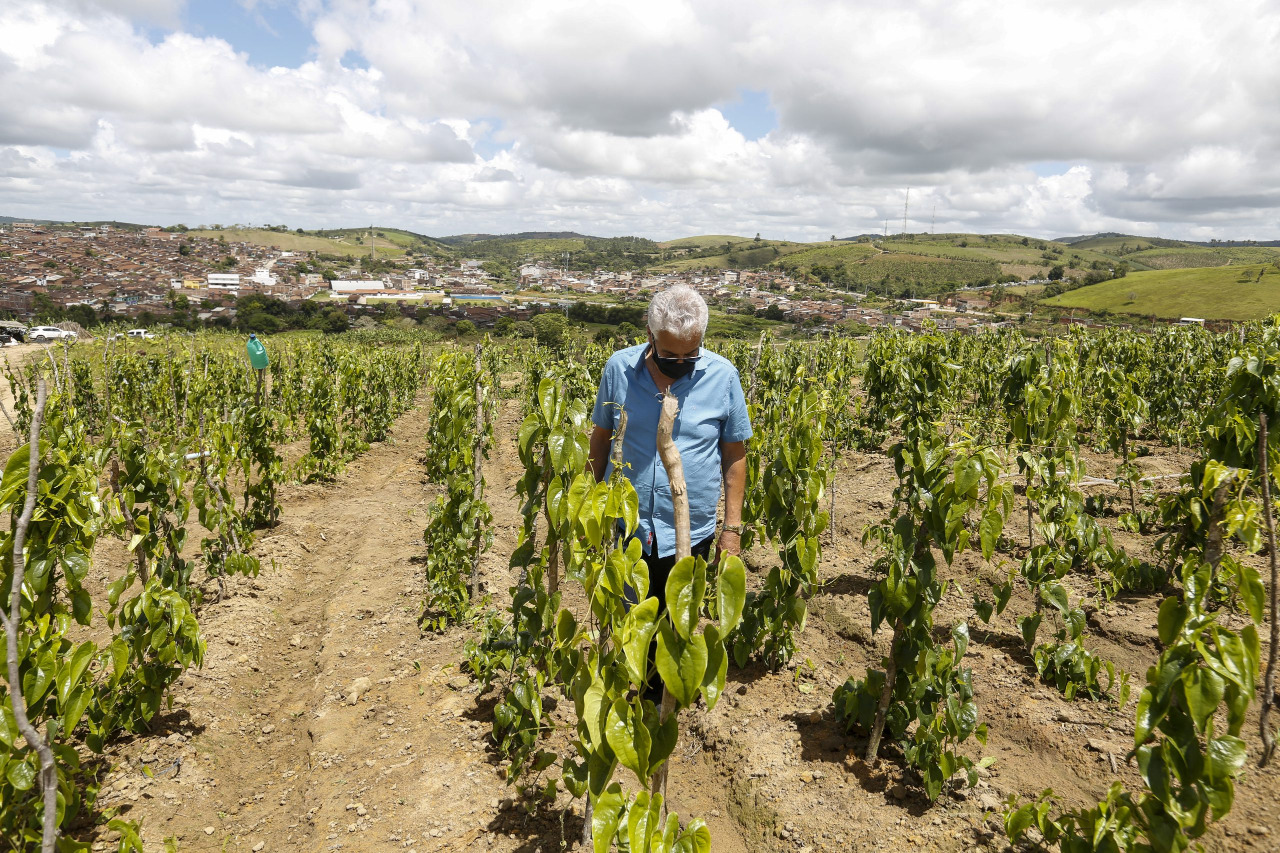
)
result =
(713, 410)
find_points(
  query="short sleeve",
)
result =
(605, 413)
(737, 423)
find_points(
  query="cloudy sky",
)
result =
(662, 118)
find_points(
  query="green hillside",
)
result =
(1113, 244)
(290, 241)
(706, 241)
(1202, 256)
(862, 266)
(1227, 293)
(744, 254)
(395, 236)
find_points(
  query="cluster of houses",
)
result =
(129, 271)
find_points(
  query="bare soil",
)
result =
(264, 748)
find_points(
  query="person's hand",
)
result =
(730, 543)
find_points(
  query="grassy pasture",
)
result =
(704, 241)
(746, 254)
(1217, 293)
(289, 241)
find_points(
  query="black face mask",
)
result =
(673, 368)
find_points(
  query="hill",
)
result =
(1218, 293)
(291, 241)
(705, 241)
(466, 239)
(726, 254)
(1199, 256)
(408, 240)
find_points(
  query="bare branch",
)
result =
(48, 772)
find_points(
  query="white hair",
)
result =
(679, 310)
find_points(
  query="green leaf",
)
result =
(73, 709)
(636, 636)
(21, 775)
(1203, 688)
(731, 593)
(70, 673)
(686, 586)
(629, 739)
(681, 663)
(989, 532)
(643, 820)
(717, 666)
(1029, 626)
(1226, 757)
(695, 839)
(606, 810)
(663, 737)
(1170, 618)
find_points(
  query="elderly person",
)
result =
(710, 432)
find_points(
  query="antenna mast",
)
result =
(905, 204)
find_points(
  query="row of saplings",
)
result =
(923, 696)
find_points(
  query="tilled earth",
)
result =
(323, 720)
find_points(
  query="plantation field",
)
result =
(1199, 256)
(373, 599)
(288, 241)
(320, 693)
(1227, 293)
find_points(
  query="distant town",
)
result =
(102, 273)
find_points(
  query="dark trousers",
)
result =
(659, 569)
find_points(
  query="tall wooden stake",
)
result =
(670, 457)
(48, 771)
(1269, 682)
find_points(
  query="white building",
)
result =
(357, 285)
(224, 280)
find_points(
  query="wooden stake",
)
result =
(670, 455)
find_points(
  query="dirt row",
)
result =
(323, 720)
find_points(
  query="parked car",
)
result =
(45, 334)
(140, 333)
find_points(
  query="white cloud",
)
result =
(601, 117)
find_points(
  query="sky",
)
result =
(667, 118)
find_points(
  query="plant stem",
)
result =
(1269, 683)
(882, 707)
(477, 478)
(48, 772)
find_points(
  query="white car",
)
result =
(45, 334)
(140, 333)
